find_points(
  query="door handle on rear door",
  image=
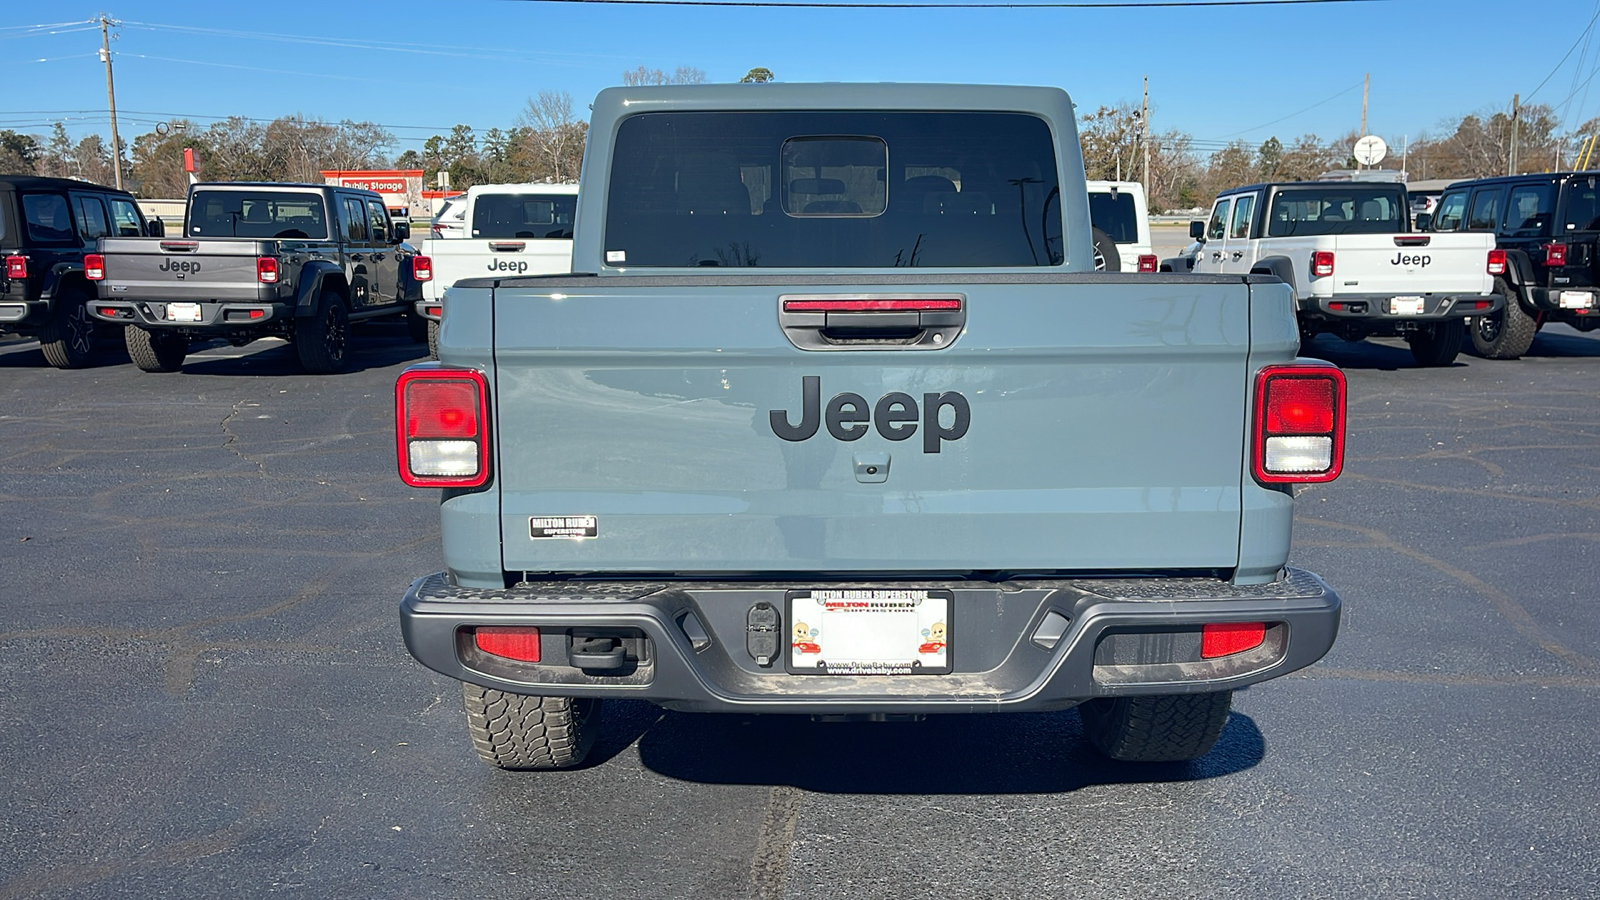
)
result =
(379, 257)
(1238, 255)
(1216, 256)
(357, 257)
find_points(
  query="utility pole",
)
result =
(1144, 124)
(1365, 85)
(1511, 163)
(111, 96)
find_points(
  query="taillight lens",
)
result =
(1322, 263)
(16, 267)
(422, 268)
(442, 427)
(94, 267)
(267, 270)
(1555, 254)
(1219, 639)
(520, 643)
(1299, 424)
(1497, 262)
(1147, 262)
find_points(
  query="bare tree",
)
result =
(554, 136)
(681, 75)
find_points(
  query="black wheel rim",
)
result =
(1489, 328)
(333, 334)
(80, 330)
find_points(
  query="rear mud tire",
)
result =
(519, 732)
(323, 339)
(155, 351)
(1165, 728)
(1106, 257)
(1439, 345)
(433, 339)
(68, 337)
(1507, 334)
(417, 327)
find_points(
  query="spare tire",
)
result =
(1106, 258)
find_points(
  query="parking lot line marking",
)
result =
(1514, 612)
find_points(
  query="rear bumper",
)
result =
(1022, 645)
(214, 315)
(1583, 301)
(1379, 308)
(432, 310)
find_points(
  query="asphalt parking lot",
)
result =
(203, 691)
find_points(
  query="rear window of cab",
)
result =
(833, 190)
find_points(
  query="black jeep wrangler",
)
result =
(1549, 227)
(46, 227)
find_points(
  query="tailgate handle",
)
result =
(1412, 240)
(872, 321)
(507, 246)
(180, 246)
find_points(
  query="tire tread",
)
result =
(517, 731)
(1164, 728)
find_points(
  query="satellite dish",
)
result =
(1370, 150)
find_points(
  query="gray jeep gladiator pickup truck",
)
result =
(835, 418)
(296, 261)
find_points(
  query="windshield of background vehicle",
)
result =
(1337, 209)
(1114, 214)
(267, 214)
(524, 216)
(833, 189)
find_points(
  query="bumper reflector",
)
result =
(1227, 638)
(509, 642)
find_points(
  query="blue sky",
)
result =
(419, 68)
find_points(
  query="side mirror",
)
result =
(1197, 230)
(155, 228)
(1424, 220)
(402, 231)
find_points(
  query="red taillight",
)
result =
(1555, 254)
(1147, 262)
(1497, 262)
(869, 305)
(16, 267)
(1322, 263)
(94, 267)
(1227, 638)
(511, 642)
(435, 311)
(267, 270)
(1298, 432)
(442, 427)
(422, 268)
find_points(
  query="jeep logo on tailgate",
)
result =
(502, 265)
(181, 266)
(895, 416)
(1406, 259)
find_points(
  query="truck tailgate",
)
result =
(1106, 428)
(1397, 264)
(182, 269)
(458, 258)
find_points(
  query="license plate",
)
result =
(183, 312)
(1576, 299)
(869, 632)
(1405, 306)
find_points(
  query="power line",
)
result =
(1563, 61)
(845, 4)
(1297, 112)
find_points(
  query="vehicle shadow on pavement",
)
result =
(1389, 354)
(365, 351)
(1006, 753)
